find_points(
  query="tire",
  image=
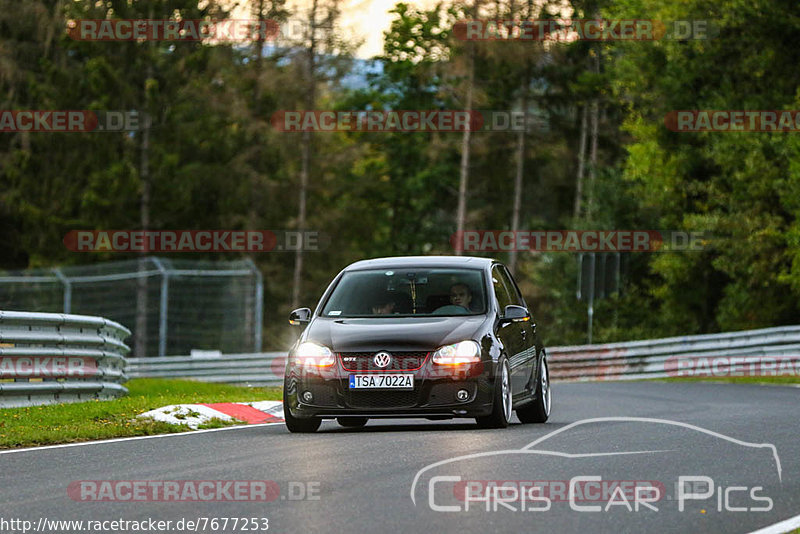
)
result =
(298, 424)
(538, 411)
(501, 407)
(352, 422)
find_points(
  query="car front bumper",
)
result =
(434, 393)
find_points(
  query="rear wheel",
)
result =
(298, 424)
(538, 411)
(352, 422)
(501, 409)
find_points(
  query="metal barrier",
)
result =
(259, 369)
(750, 352)
(54, 357)
(769, 351)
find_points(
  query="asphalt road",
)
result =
(362, 480)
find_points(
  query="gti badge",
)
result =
(382, 359)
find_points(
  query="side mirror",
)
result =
(515, 314)
(300, 316)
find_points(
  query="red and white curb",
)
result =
(194, 415)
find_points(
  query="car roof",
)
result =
(399, 262)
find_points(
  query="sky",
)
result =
(368, 19)
(360, 19)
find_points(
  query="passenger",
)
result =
(460, 295)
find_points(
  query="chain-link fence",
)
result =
(171, 306)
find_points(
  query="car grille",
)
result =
(382, 399)
(401, 361)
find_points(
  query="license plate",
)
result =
(381, 381)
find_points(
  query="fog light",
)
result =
(308, 396)
(462, 395)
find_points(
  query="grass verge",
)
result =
(83, 421)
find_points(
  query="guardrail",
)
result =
(51, 357)
(55, 357)
(258, 369)
(750, 352)
(764, 352)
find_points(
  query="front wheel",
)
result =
(298, 424)
(501, 409)
(538, 411)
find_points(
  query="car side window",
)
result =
(502, 296)
(513, 290)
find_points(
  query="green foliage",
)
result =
(735, 186)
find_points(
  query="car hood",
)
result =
(396, 333)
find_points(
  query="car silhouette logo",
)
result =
(382, 359)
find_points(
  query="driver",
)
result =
(384, 306)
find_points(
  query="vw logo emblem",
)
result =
(382, 359)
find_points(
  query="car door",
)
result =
(530, 340)
(511, 333)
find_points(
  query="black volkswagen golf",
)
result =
(431, 336)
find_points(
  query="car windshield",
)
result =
(408, 292)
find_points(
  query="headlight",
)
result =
(458, 353)
(313, 355)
